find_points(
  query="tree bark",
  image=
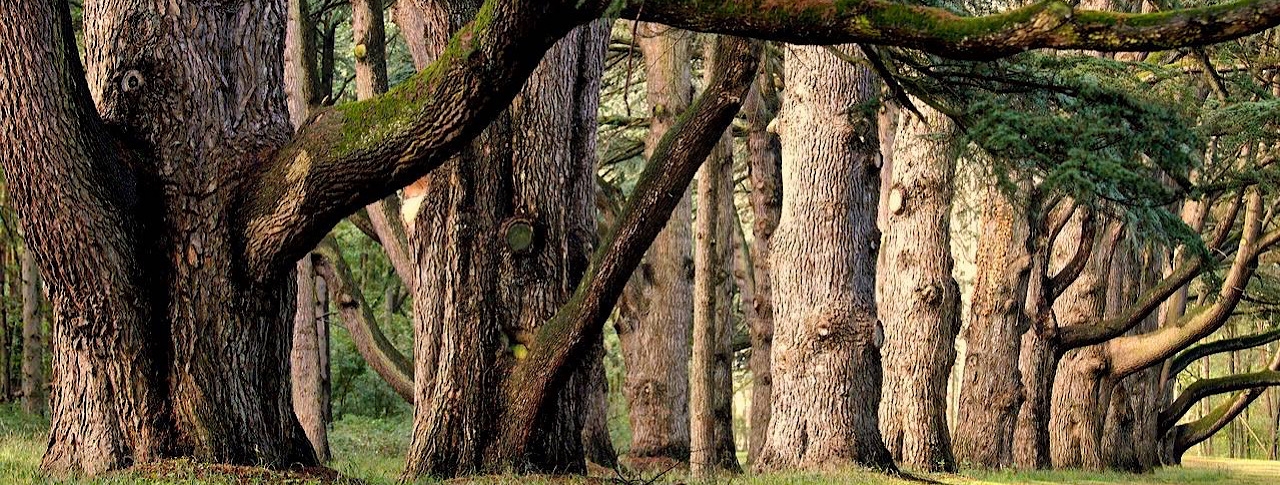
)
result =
(826, 359)
(919, 300)
(33, 380)
(711, 447)
(478, 303)
(991, 392)
(656, 314)
(765, 162)
(305, 359)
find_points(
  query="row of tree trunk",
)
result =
(169, 188)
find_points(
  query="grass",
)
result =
(371, 451)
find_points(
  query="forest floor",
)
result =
(371, 451)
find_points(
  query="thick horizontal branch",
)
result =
(1187, 435)
(1048, 24)
(1190, 434)
(1211, 387)
(385, 360)
(347, 157)
(672, 166)
(1080, 335)
(1187, 357)
(1133, 353)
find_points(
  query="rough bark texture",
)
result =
(991, 391)
(918, 299)
(765, 162)
(656, 313)
(826, 359)
(711, 447)
(500, 243)
(1074, 433)
(33, 376)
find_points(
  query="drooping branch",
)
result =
(1049, 24)
(1189, 356)
(349, 156)
(385, 360)
(664, 181)
(1211, 387)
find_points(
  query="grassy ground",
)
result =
(371, 451)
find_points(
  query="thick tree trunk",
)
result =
(163, 343)
(656, 314)
(826, 359)
(919, 300)
(33, 380)
(500, 246)
(991, 391)
(765, 161)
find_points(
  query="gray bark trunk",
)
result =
(765, 161)
(919, 300)
(991, 390)
(826, 359)
(656, 312)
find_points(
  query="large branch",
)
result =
(1076, 336)
(385, 360)
(665, 179)
(1048, 24)
(1187, 435)
(347, 157)
(1133, 353)
(1211, 387)
(1187, 357)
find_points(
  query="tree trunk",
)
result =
(991, 392)
(656, 314)
(33, 381)
(826, 359)
(500, 245)
(306, 370)
(711, 394)
(163, 342)
(6, 340)
(765, 161)
(919, 300)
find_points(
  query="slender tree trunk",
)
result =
(656, 314)
(991, 391)
(765, 161)
(6, 340)
(919, 300)
(308, 378)
(826, 359)
(33, 380)
(711, 393)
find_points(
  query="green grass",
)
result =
(372, 451)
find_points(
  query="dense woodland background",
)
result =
(1105, 219)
